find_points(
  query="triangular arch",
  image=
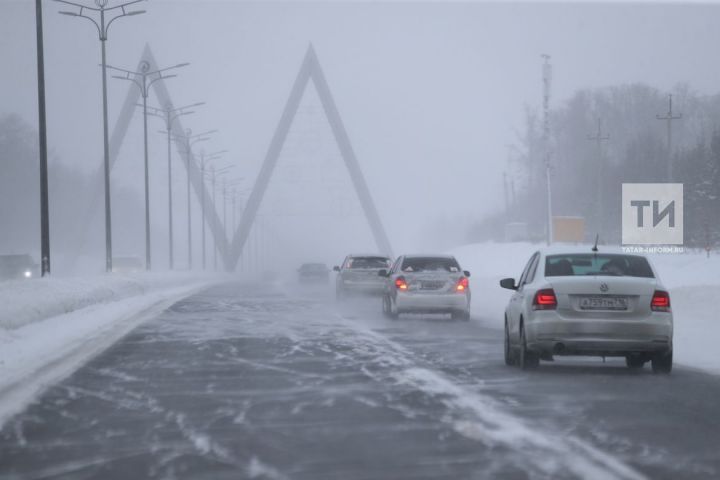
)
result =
(309, 70)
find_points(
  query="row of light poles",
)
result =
(102, 16)
(102, 23)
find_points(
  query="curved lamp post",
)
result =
(103, 24)
(144, 79)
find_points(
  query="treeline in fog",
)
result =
(587, 173)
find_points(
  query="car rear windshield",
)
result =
(430, 264)
(615, 265)
(368, 262)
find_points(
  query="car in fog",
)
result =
(313, 273)
(17, 267)
(583, 302)
(359, 274)
(426, 284)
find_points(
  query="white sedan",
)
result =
(583, 302)
(426, 284)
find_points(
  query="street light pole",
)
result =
(144, 87)
(191, 140)
(169, 115)
(203, 160)
(42, 134)
(102, 28)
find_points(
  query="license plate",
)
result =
(432, 285)
(603, 303)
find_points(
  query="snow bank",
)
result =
(692, 278)
(49, 327)
(26, 301)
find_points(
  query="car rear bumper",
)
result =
(431, 302)
(565, 336)
(362, 287)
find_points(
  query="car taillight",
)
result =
(401, 284)
(545, 300)
(660, 301)
(462, 285)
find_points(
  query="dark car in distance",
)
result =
(313, 273)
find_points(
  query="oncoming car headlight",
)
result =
(28, 274)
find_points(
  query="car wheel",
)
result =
(387, 308)
(509, 355)
(528, 360)
(662, 363)
(635, 362)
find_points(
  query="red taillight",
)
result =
(462, 285)
(660, 301)
(400, 283)
(545, 300)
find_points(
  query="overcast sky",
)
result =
(430, 93)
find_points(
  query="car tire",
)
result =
(460, 315)
(510, 359)
(634, 362)
(387, 308)
(662, 363)
(528, 360)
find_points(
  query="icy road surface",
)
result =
(243, 381)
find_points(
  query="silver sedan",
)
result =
(582, 302)
(426, 284)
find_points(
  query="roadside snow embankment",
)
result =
(26, 301)
(49, 327)
(692, 278)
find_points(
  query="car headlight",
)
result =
(28, 274)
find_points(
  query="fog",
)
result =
(431, 95)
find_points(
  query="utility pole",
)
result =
(547, 81)
(599, 137)
(669, 117)
(42, 134)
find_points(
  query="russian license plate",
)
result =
(603, 303)
(432, 285)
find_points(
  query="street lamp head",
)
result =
(135, 12)
(181, 65)
(69, 14)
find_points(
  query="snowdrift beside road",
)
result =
(692, 278)
(26, 301)
(49, 327)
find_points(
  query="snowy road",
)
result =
(249, 382)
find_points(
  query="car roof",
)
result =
(429, 255)
(358, 255)
(565, 249)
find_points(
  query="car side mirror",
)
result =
(508, 283)
(466, 273)
(336, 268)
(382, 273)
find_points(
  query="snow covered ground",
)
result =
(692, 278)
(48, 327)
